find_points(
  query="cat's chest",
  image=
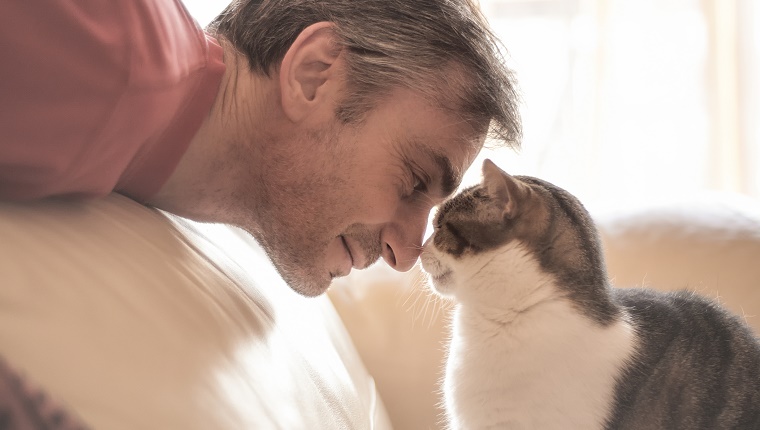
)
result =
(510, 376)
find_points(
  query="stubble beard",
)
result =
(302, 208)
(296, 230)
(295, 244)
(295, 216)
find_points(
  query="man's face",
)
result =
(353, 194)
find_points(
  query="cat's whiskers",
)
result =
(414, 295)
(411, 259)
(431, 306)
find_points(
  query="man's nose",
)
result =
(402, 240)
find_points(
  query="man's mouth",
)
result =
(363, 249)
(348, 250)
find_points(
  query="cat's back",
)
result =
(697, 366)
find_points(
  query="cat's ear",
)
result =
(502, 186)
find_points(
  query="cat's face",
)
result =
(509, 241)
(489, 221)
(507, 234)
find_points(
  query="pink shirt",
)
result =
(99, 95)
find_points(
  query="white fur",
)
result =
(521, 356)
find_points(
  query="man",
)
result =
(328, 129)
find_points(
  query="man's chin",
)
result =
(308, 286)
(310, 290)
(300, 270)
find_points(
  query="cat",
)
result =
(541, 340)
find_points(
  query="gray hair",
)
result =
(442, 48)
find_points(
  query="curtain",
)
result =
(635, 100)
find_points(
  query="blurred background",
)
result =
(636, 100)
(626, 103)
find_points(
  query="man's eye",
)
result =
(419, 185)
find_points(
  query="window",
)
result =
(638, 100)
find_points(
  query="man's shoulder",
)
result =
(86, 84)
(167, 44)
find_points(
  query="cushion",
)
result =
(133, 318)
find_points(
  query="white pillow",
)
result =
(138, 320)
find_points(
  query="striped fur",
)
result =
(541, 340)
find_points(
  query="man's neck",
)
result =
(209, 171)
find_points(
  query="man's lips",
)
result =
(348, 250)
(354, 252)
(340, 258)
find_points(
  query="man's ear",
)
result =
(309, 72)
